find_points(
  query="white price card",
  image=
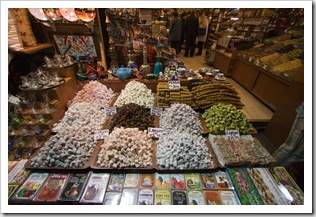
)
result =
(110, 111)
(174, 84)
(232, 134)
(154, 132)
(156, 111)
(100, 134)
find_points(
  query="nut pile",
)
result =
(132, 116)
(81, 115)
(136, 92)
(167, 96)
(207, 95)
(126, 148)
(69, 149)
(182, 150)
(96, 93)
(180, 116)
(223, 117)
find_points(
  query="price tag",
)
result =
(232, 134)
(156, 111)
(101, 134)
(110, 111)
(154, 132)
(174, 84)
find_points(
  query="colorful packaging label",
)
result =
(177, 181)
(112, 198)
(131, 180)
(192, 181)
(212, 198)
(196, 198)
(129, 197)
(162, 181)
(179, 197)
(147, 180)
(208, 181)
(75, 187)
(162, 197)
(116, 182)
(146, 197)
(229, 197)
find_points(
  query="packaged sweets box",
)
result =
(75, 187)
(244, 186)
(287, 185)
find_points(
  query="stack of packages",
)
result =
(207, 95)
(167, 96)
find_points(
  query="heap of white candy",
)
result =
(126, 148)
(180, 116)
(136, 92)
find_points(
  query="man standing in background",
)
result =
(175, 31)
(191, 29)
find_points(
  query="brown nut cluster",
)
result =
(132, 116)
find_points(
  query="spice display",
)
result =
(286, 48)
(132, 115)
(295, 53)
(268, 59)
(135, 92)
(208, 95)
(180, 117)
(71, 149)
(96, 93)
(240, 151)
(268, 190)
(167, 96)
(81, 115)
(280, 38)
(126, 148)
(223, 117)
(182, 150)
(290, 67)
(245, 188)
(282, 58)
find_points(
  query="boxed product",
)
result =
(112, 198)
(196, 198)
(244, 186)
(11, 189)
(179, 197)
(212, 198)
(268, 190)
(146, 197)
(177, 181)
(129, 197)
(229, 197)
(192, 181)
(52, 188)
(222, 180)
(287, 185)
(30, 187)
(95, 188)
(116, 182)
(17, 172)
(162, 197)
(74, 187)
(208, 181)
(162, 181)
(147, 180)
(131, 180)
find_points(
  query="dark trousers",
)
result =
(175, 45)
(190, 45)
(200, 46)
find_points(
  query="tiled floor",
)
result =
(254, 110)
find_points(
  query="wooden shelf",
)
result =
(30, 50)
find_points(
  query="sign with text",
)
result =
(154, 132)
(174, 84)
(110, 111)
(156, 111)
(100, 134)
(232, 134)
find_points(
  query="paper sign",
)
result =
(174, 84)
(232, 134)
(100, 134)
(156, 111)
(110, 111)
(154, 132)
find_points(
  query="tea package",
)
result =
(192, 181)
(75, 187)
(196, 198)
(146, 197)
(116, 182)
(162, 197)
(212, 198)
(112, 198)
(162, 181)
(129, 197)
(131, 180)
(179, 197)
(147, 180)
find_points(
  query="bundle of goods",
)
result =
(71, 149)
(222, 117)
(126, 148)
(180, 117)
(167, 96)
(240, 151)
(182, 150)
(132, 116)
(207, 95)
(135, 92)
(289, 68)
(81, 115)
(96, 93)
